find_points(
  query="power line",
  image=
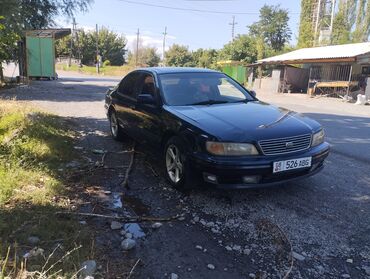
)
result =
(189, 9)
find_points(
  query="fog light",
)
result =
(211, 178)
(252, 179)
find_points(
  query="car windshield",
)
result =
(187, 89)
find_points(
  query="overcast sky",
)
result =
(196, 29)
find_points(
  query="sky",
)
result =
(195, 29)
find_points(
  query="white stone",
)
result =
(128, 244)
(228, 248)
(157, 225)
(174, 276)
(128, 235)
(349, 261)
(252, 275)
(211, 266)
(298, 256)
(199, 247)
(114, 225)
(88, 268)
(237, 247)
(247, 252)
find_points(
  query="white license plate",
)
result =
(292, 164)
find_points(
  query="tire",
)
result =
(176, 166)
(115, 129)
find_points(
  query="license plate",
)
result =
(292, 164)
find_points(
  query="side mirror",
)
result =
(145, 99)
(253, 93)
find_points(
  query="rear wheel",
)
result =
(115, 129)
(176, 165)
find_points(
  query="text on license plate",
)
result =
(292, 164)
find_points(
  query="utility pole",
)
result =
(318, 18)
(74, 24)
(97, 50)
(137, 46)
(164, 46)
(233, 23)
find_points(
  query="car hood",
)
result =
(241, 122)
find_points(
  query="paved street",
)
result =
(325, 218)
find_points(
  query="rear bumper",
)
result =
(230, 173)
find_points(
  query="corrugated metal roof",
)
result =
(326, 52)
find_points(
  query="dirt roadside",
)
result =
(239, 234)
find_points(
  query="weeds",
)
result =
(91, 70)
(34, 149)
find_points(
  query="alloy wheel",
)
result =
(173, 163)
(114, 124)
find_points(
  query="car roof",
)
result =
(176, 70)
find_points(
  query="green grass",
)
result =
(34, 147)
(91, 70)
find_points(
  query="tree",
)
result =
(205, 58)
(242, 49)
(19, 15)
(342, 24)
(111, 46)
(8, 41)
(272, 26)
(148, 56)
(179, 56)
(306, 32)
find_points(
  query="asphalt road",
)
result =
(325, 218)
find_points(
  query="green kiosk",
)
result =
(237, 70)
(40, 52)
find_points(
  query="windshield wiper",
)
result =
(242, 101)
(209, 102)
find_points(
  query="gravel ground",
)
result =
(324, 220)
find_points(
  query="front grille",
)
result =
(285, 145)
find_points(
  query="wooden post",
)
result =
(260, 76)
(349, 81)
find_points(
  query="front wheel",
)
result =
(177, 171)
(115, 128)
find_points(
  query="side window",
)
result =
(128, 85)
(147, 85)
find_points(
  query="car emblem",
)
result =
(289, 144)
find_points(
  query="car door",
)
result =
(125, 103)
(148, 115)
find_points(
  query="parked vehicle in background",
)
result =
(212, 130)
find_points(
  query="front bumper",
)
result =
(230, 172)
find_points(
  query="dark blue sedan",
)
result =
(210, 129)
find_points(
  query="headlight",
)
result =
(318, 138)
(231, 149)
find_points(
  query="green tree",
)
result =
(148, 56)
(242, 48)
(205, 58)
(306, 32)
(111, 46)
(179, 56)
(272, 26)
(342, 24)
(20, 15)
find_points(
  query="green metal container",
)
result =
(40, 52)
(234, 69)
(40, 57)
